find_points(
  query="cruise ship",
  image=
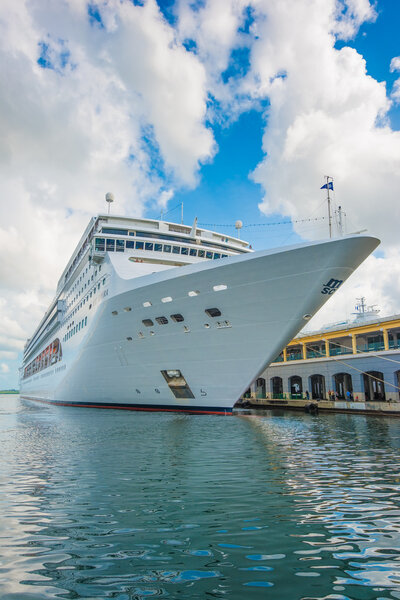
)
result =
(153, 315)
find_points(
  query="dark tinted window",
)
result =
(216, 255)
(147, 322)
(162, 320)
(209, 254)
(99, 244)
(175, 249)
(193, 252)
(167, 248)
(148, 246)
(184, 250)
(120, 246)
(139, 245)
(213, 312)
(114, 231)
(158, 247)
(201, 253)
(130, 244)
(178, 318)
(110, 245)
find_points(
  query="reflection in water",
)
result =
(102, 504)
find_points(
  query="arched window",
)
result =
(276, 386)
(343, 384)
(260, 387)
(296, 386)
(374, 388)
(317, 385)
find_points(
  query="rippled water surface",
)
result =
(111, 504)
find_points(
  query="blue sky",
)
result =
(237, 108)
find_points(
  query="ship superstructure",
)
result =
(155, 315)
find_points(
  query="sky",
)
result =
(235, 108)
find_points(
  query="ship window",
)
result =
(193, 252)
(129, 339)
(213, 312)
(184, 250)
(127, 309)
(120, 246)
(166, 299)
(147, 322)
(219, 288)
(149, 246)
(110, 246)
(209, 254)
(130, 244)
(85, 321)
(99, 268)
(178, 318)
(139, 245)
(201, 253)
(114, 312)
(162, 320)
(167, 248)
(99, 244)
(147, 303)
(114, 231)
(175, 249)
(98, 286)
(131, 233)
(158, 247)
(224, 256)
(216, 255)
(193, 293)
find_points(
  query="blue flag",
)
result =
(328, 186)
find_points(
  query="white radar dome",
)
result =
(238, 225)
(109, 197)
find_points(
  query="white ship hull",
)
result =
(116, 362)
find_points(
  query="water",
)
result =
(101, 504)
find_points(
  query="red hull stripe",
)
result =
(152, 408)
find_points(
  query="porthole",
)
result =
(218, 288)
(140, 335)
(207, 325)
(178, 318)
(193, 293)
(151, 332)
(114, 312)
(213, 312)
(166, 299)
(147, 322)
(162, 320)
(127, 309)
(147, 303)
(129, 339)
(186, 329)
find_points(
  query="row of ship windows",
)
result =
(81, 278)
(178, 318)
(192, 293)
(75, 329)
(86, 299)
(108, 245)
(81, 291)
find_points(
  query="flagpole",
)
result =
(329, 205)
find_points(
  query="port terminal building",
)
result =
(355, 361)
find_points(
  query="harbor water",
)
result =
(100, 504)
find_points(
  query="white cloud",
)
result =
(4, 368)
(395, 64)
(118, 106)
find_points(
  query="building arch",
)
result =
(317, 386)
(296, 385)
(276, 386)
(373, 388)
(261, 388)
(343, 384)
